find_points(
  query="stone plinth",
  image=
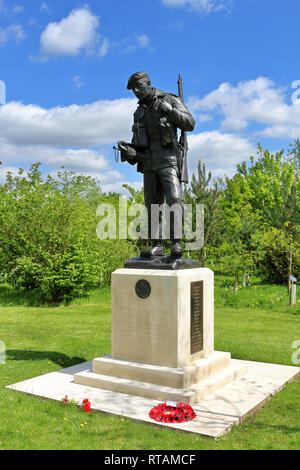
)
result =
(187, 385)
(163, 338)
(157, 329)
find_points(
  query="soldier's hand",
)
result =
(131, 153)
(127, 152)
(122, 145)
(165, 107)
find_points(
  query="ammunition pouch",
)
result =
(140, 136)
(167, 132)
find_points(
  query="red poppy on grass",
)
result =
(66, 400)
(86, 405)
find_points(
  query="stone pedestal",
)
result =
(157, 329)
(162, 337)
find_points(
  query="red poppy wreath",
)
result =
(164, 413)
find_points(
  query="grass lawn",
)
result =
(256, 324)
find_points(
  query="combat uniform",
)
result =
(158, 152)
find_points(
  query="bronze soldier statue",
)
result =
(157, 152)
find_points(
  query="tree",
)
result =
(48, 235)
(294, 153)
(204, 191)
(137, 197)
(269, 190)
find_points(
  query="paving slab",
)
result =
(216, 414)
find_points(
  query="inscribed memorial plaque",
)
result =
(196, 316)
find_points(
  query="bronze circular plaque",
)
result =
(143, 289)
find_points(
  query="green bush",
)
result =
(112, 254)
(48, 236)
(280, 257)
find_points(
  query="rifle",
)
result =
(183, 142)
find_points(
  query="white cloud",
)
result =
(2, 92)
(220, 152)
(143, 40)
(72, 159)
(117, 187)
(91, 125)
(109, 180)
(5, 169)
(258, 101)
(66, 136)
(77, 81)
(204, 117)
(137, 41)
(204, 7)
(81, 161)
(14, 9)
(74, 35)
(15, 32)
(103, 50)
(69, 135)
(75, 159)
(253, 100)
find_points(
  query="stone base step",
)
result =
(188, 395)
(166, 376)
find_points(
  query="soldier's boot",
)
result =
(156, 250)
(176, 249)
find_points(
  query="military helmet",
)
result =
(135, 77)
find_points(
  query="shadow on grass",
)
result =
(60, 359)
(11, 297)
(19, 297)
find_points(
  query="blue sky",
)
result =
(66, 65)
